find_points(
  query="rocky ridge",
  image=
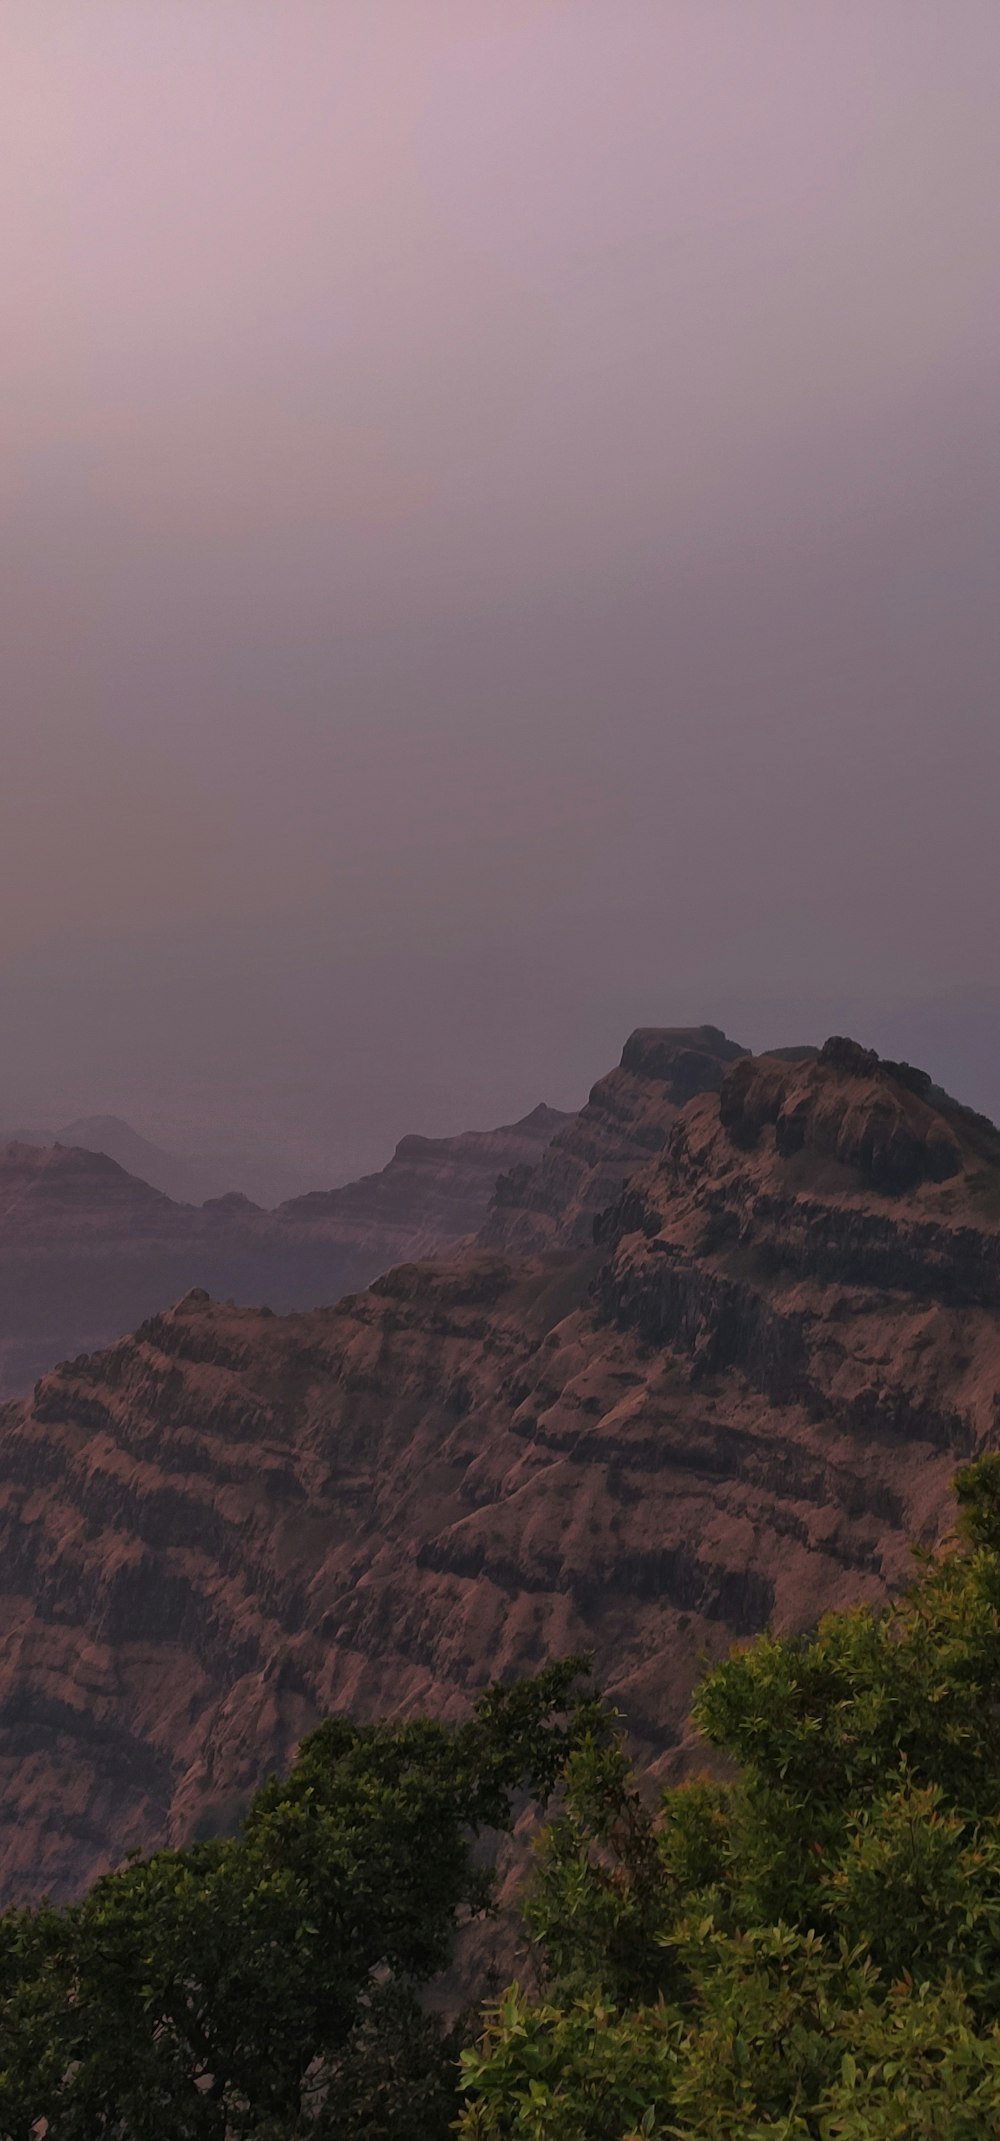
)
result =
(554, 1201)
(88, 1250)
(738, 1406)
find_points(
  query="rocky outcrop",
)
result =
(88, 1250)
(739, 1406)
(434, 1192)
(877, 1117)
(629, 1115)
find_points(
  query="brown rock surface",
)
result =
(434, 1192)
(88, 1250)
(629, 1116)
(739, 1407)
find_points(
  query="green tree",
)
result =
(812, 1951)
(268, 1983)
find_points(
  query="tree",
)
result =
(813, 1951)
(268, 1983)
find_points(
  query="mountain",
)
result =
(629, 1115)
(433, 1191)
(264, 1176)
(737, 1406)
(187, 1179)
(87, 1250)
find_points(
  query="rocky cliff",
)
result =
(739, 1406)
(554, 1201)
(434, 1192)
(87, 1250)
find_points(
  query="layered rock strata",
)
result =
(739, 1407)
(554, 1202)
(87, 1250)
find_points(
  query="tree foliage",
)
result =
(811, 1953)
(268, 1984)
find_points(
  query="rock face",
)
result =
(88, 1250)
(739, 1406)
(629, 1115)
(434, 1192)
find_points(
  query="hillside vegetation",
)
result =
(809, 1952)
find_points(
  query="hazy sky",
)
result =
(500, 518)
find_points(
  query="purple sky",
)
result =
(500, 521)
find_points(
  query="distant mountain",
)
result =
(263, 1176)
(89, 1248)
(188, 1179)
(735, 1407)
(435, 1190)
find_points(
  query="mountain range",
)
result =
(88, 1249)
(710, 1365)
(261, 1175)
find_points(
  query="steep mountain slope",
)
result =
(739, 1406)
(629, 1115)
(87, 1250)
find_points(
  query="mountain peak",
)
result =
(848, 1104)
(629, 1114)
(653, 1051)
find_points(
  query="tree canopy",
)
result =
(810, 1952)
(267, 1984)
